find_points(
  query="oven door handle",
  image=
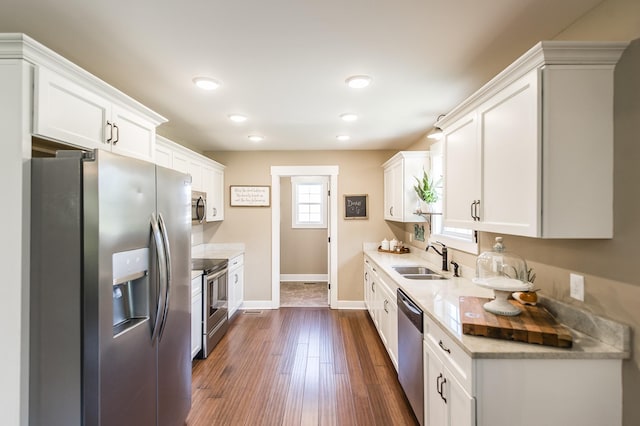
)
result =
(167, 249)
(162, 264)
(216, 274)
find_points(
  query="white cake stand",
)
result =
(502, 288)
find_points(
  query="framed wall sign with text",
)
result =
(356, 206)
(250, 196)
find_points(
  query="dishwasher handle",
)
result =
(409, 309)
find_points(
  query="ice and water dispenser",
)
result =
(130, 289)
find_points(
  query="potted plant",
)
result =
(426, 191)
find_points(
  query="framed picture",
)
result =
(356, 206)
(250, 195)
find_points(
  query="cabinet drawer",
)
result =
(452, 355)
(236, 261)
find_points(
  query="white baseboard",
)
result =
(351, 304)
(257, 304)
(267, 304)
(308, 278)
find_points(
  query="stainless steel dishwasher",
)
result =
(410, 367)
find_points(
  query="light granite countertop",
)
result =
(215, 251)
(439, 300)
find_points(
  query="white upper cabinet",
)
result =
(462, 171)
(400, 171)
(206, 175)
(69, 110)
(213, 183)
(526, 153)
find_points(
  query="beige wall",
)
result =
(359, 173)
(302, 251)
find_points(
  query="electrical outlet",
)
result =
(576, 286)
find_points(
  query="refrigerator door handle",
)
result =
(162, 274)
(167, 250)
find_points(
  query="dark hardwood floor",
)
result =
(299, 366)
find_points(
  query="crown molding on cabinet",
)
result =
(553, 52)
(22, 47)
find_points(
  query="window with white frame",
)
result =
(456, 238)
(309, 197)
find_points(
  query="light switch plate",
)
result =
(576, 286)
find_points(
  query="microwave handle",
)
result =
(201, 202)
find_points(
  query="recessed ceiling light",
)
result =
(237, 118)
(349, 116)
(256, 138)
(206, 83)
(343, 137)
(358, 81)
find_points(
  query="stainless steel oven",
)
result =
(215, 304)
(198, 207)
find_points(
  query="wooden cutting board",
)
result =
(534, 325)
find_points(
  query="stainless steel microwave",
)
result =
(198, 207)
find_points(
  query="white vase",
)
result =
(426, 207)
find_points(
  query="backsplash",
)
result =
(197, 235)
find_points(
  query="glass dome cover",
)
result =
(501, 270)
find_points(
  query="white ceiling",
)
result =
(283, 62)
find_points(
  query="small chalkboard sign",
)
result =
(355, 206)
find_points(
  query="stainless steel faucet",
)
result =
(443, 253)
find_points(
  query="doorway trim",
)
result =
(286, 171)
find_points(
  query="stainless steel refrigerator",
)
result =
(110, 292)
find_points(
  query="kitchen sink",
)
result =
(423, 277)
(414, 270)
(418, 273)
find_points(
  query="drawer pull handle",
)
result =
(444, 348)
(385, 305)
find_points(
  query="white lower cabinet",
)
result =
(446, 401)
(236, 283)
(465, 391)
(368, 287)
(380, 299)
(388, 324)
(196, 315)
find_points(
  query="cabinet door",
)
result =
(163, 156)
(238, 284)
(217, 205)
(510, 139)
(461, 408)
(213, 181)
(389, 313)
(434, 406)
(68, 112)
(180, 162)
(133, 136)
(194, 168)
(375, 300)
(389, 186)
(367, 285)
(461, 172)
(196, 317)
